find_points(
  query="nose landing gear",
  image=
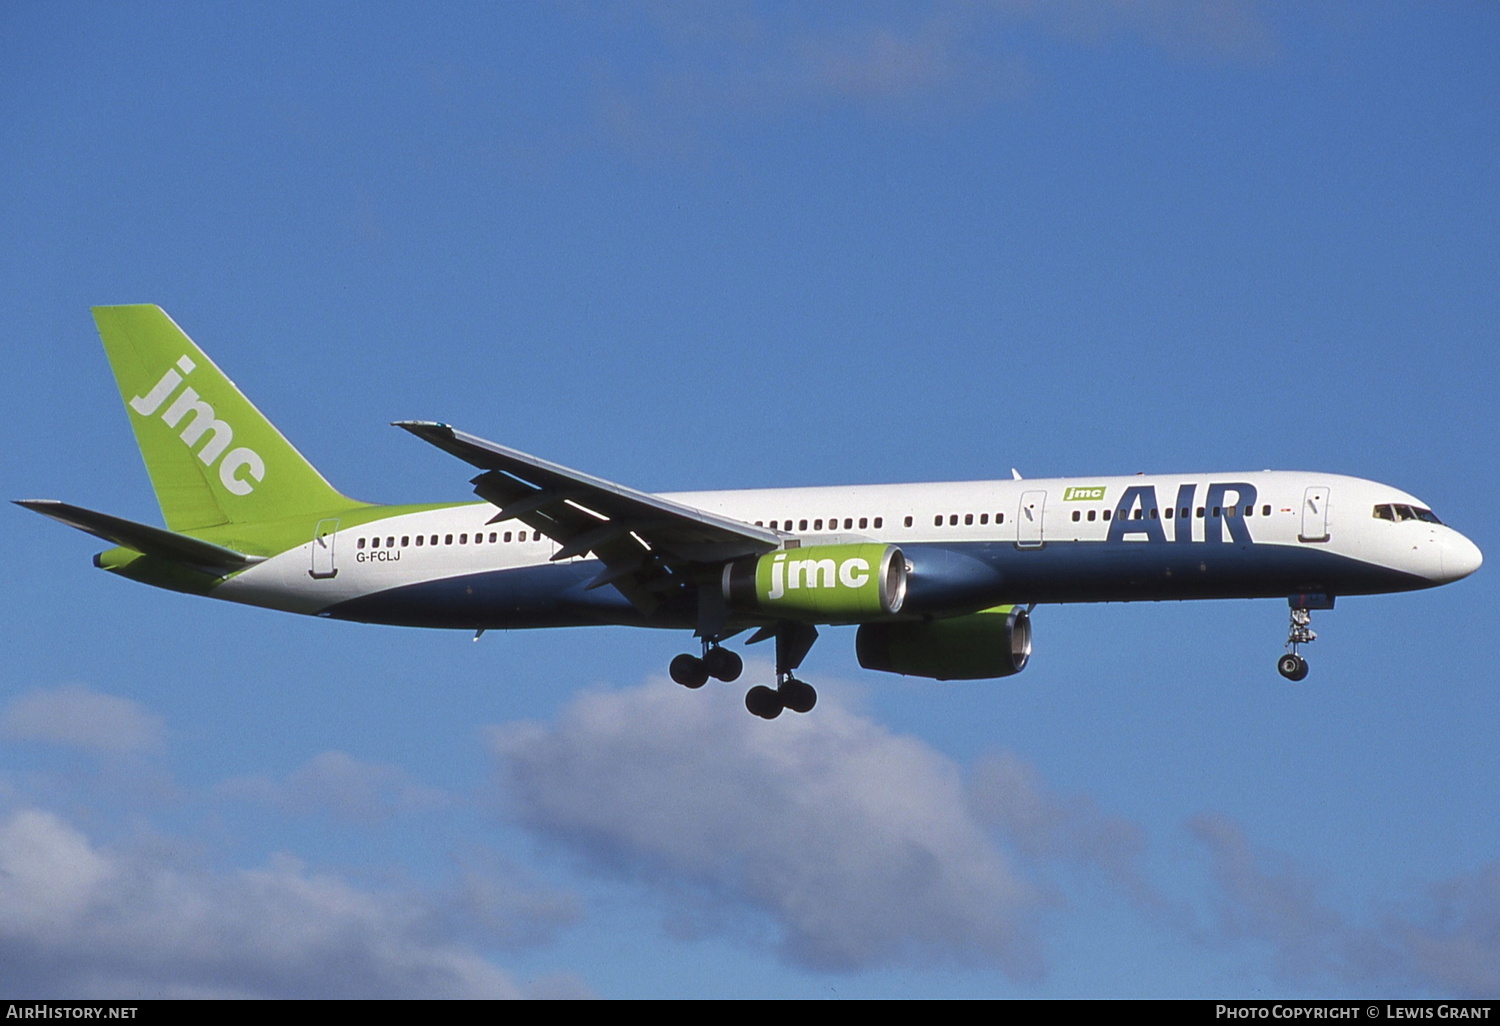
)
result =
(1299, 632)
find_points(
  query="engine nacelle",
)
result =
(822, 583)
(992, 643)
(943, 582)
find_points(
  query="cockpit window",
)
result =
(1401, 511)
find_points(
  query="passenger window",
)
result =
(405, 540)
(1167, 513)
(984, 518)
(1076, 516)
(1153, 514)
(968, 520)
(999, 518)
(953, 520)
(1186, 512)
(802, 526)
(1249, 511)
(863, 523)
(937, 521)
(908, 521)
(1200, 512)
(848, 523)
(360, 544)
(447, 539)
(1093, 515)
(818, 524)
(879, 522)
(390, 543)
(463, 539)
(434, 540)
(1106, 514)
(1216, 511)
(1265, 511)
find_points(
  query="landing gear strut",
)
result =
(1299, 632)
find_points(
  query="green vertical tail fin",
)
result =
(212, 456)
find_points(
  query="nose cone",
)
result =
(1461, 557)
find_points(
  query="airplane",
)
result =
(939, 579)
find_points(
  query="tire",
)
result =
(763, 702)
(798, 696)
(722, 664)
(1292, 667)
(689, 671)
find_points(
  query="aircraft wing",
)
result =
(647, 544)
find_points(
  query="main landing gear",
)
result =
(793, 640)
(1292, 666)
(719, 663)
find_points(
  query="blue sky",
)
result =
(687, 246)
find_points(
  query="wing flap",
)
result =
(654, 551)
(567, 504)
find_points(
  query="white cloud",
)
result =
(856, 843)
(1447, 940)
(80, 718)
(339, 785)
(1451, 937)
(708, 64)
(77, 920)
(1011, 795)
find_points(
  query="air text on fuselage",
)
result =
(1139, 516)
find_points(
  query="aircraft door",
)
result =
(322, 550)
(1029, 520)
(1314, 515)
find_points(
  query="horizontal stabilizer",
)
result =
(143, 538)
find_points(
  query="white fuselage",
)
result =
(1050, 540)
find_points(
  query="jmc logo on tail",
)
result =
(204, 421)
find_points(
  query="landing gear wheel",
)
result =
(1292, 667)
(722, 664)
(764, 702)
(689, 671)
(798, 696)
